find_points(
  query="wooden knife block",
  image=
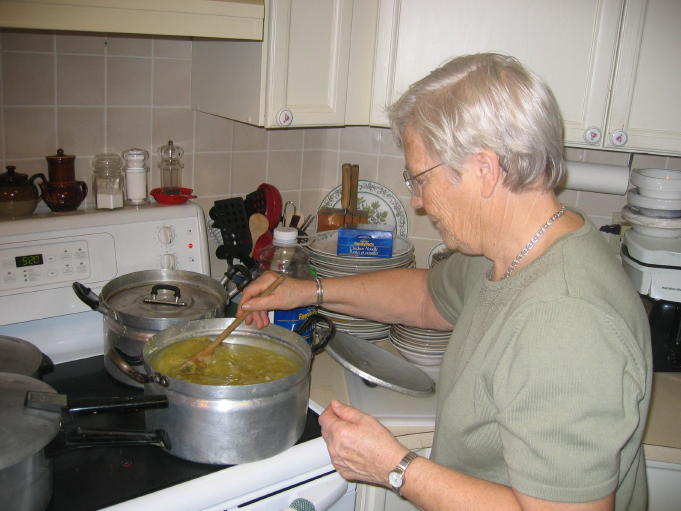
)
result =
(329, 219)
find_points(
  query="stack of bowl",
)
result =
(321, 250)
(421, 346)
(654, 204)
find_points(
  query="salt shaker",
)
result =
(108, 180)
(136, 170)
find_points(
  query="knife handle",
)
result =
(354, 184)
(346, 186)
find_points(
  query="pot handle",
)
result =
(83, 188)
(92, 405)
(95, 437)
(133, 373)
(153, 296)
(38, 185)
(79, 437)
(86, 295)
(320, 341)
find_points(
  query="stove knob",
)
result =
(301, 505)
(168, 262)
(166, 235)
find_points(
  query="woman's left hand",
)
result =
(361, 448)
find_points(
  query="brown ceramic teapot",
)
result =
(62, 192)
(18, 195)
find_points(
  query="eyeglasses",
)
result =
(413, 183)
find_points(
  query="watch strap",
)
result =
(400, 469)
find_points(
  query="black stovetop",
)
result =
(96, 477)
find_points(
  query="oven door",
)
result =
(329, 492)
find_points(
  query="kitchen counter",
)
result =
(662, 440)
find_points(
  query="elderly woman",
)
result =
(544, 388)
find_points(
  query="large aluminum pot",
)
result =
(140, 304)
(25, 471)
(229, 424)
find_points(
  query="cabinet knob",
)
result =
(593, 135)
(618, 137)
(284, 117)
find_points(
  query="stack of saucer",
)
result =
(654, 205)
(321, 250)
(421, 346)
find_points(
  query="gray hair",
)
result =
(486, 101)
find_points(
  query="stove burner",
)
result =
(92, 478)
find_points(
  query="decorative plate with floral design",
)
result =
(384, 207)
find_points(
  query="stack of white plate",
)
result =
(363, 328)
(654, 205)
(321, 249)
(421, 346)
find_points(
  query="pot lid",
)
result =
(60, 156)
(13, 178)
(173, 295)
(19, 356)
(379, 366)
(25, 431)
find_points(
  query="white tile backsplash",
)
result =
(91, 93)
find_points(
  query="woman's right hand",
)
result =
(290, 294)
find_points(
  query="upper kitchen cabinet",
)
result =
(645, 105)
(229, 19)
(297, 76)
(610, 63)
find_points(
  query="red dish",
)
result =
(183, 194)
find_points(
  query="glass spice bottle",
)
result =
(108, 180)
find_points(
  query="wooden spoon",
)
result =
(198, 360)
(258, 224)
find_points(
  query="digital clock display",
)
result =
(29, 260)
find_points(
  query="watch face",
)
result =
(395, 479)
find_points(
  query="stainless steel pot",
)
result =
(22, 357)
(140, 304)
(32, 418)
(231, 424)
(25, 471)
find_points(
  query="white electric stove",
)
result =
(40, 257)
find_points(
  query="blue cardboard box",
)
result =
(366, 240)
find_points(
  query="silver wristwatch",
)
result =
(396, 476)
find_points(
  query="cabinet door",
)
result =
(570, 44)
(199, 18)
(646, 98)
(308, 52)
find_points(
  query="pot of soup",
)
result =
(138, 305)
(248, 402)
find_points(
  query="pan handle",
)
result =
(90, 405)
(319, 339)
(94, 437)
(86, 295)
(122, 404)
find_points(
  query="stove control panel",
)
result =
(40, 258)
(39, 264)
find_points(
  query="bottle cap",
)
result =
(286, 235)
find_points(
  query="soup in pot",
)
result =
(230, 363)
